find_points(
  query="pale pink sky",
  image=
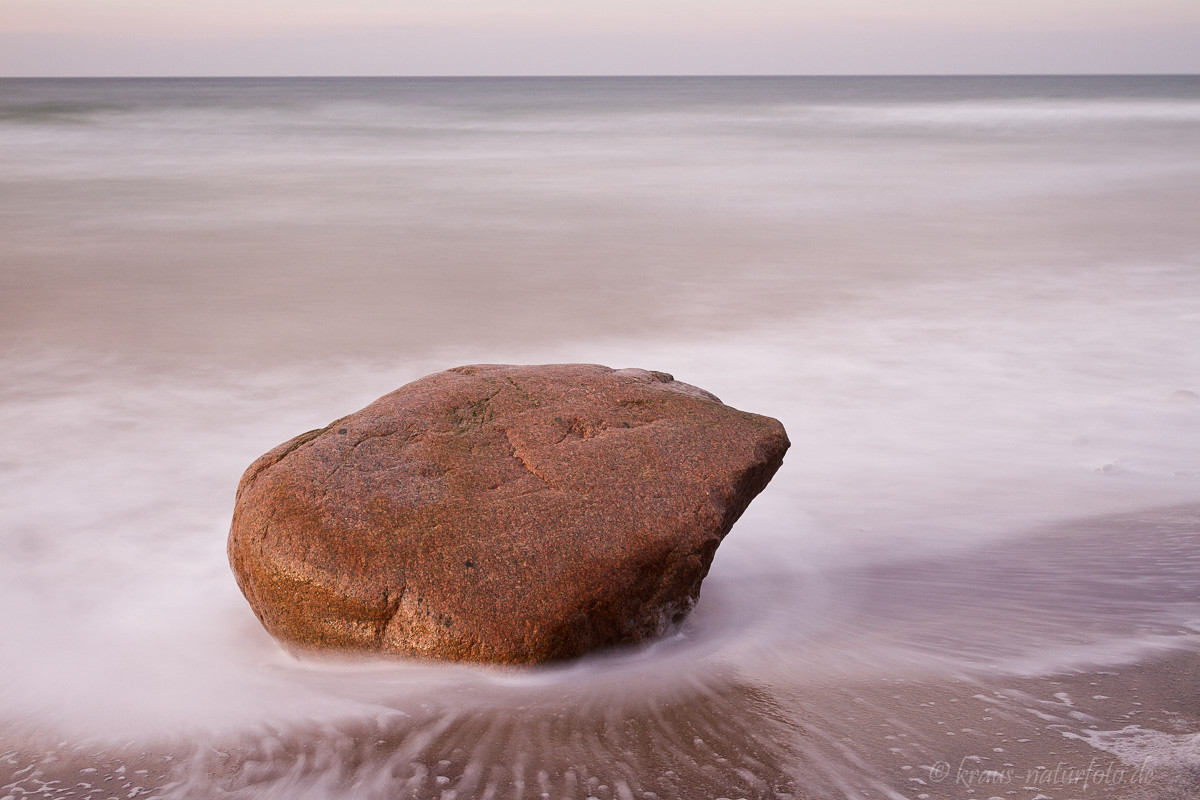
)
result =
(497, 37)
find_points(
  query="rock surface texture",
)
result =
(509, 514)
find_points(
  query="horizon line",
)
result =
(615, 75)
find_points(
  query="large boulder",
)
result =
(512, 514)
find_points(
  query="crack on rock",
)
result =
(349, 454)
(520, 459)
(299, 442)
(371, 436)
(391, 607)
(476, 413)
(295, 444)
(581, 429)
(529, 397)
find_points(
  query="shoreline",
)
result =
(912, 683)
(926, 739)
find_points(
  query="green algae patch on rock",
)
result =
(504, 514)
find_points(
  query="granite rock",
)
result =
(507, 514)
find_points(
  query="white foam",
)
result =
(121, 612)
(1137, 746)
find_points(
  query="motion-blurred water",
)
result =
(973, 302)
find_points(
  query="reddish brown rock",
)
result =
(512, 514)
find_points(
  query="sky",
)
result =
(595, 37)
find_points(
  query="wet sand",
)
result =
(1126, 732)
(1061, 664)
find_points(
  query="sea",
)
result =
(974, 302)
